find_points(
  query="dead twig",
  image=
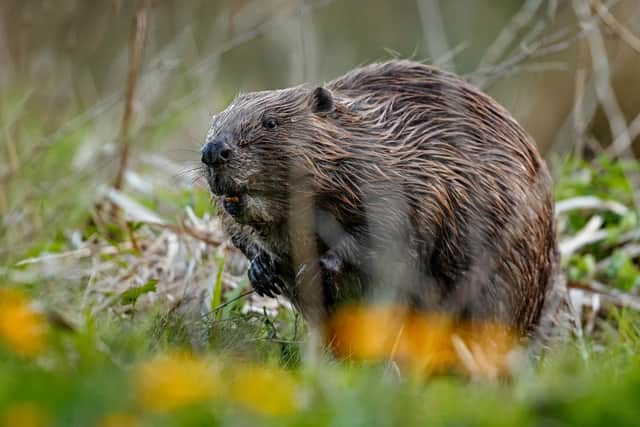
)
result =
(633, 132)
(509, 33)
(136, 50)
(77, 253)
(538, 48)
(198, 234)
(602, 77)
(607, 294)
(614, 25)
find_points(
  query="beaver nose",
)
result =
(215, 153)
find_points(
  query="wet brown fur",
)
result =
(423, 187)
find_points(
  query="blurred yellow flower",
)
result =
(119, 419)
(169, 382)
(22, 329)
(265, 390)
(24, 414)
(365, 332)
(426, 343)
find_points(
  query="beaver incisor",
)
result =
(418, 187)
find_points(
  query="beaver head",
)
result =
(249, 149)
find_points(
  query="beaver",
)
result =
(409, 183)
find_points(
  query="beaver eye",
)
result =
(270, 123)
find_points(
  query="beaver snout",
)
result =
(216, 153)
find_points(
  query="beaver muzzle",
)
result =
(216, 153)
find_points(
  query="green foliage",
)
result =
(602, 177)
(581, 267)
(566, 390)
(623, 271)
(610, 181)
(131, 295)
(216, 298)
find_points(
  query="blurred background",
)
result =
(64, 68)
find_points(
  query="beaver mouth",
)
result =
(225, 187)
(233, 196)
(234, 205)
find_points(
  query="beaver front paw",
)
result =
(264, 275)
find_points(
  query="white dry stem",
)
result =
(134, 210)
(590, 203)
(591, 233)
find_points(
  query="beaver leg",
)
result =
(348, 250)
(345, 256)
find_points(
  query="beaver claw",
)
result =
(264, 275)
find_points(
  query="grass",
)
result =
(134, 369)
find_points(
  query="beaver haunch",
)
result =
(419, 187)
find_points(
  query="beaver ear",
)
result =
(322, 101)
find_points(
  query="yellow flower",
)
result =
(264, 390)
(367, 333)
(22, 329)
(24, 414)
(426, 343)
(173, 381)
(119, 419)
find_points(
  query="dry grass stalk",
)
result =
(509, 33)
(591, 203)
(590, 233)
(136, 50)
(614, 25)
(608, 294)
(602, 78)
